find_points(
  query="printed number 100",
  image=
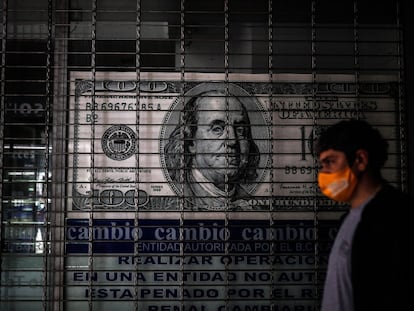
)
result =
(305, 148)
(306, 142)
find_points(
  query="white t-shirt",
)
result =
(338, 293)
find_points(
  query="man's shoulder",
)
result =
(390, 194)
(390, 205)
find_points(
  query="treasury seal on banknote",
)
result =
(119, 142)
(215, 146)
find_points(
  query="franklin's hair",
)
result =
(182, 138)
(350, 135)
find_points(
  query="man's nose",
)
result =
(231, 136)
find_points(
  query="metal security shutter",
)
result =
(157, 154)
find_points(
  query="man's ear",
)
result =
(192, 148)
(361, 160)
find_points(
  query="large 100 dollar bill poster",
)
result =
(243, 144)
(205, 183)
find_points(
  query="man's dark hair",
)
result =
(350, 135)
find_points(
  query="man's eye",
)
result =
(217, 129)
(326, 163)
(241, 131)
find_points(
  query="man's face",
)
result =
(332, 161)
(220, 145)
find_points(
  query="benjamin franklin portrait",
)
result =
(211, 156)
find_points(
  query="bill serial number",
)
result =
(122, 106)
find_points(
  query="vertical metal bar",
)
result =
(182, 158)
(137, 153)
(2, 119)
(92, 181)
(58, 157)
(272, 215)
(402, 101)
(314, 94)
(46, 225)
(226, 181)
(356, 57)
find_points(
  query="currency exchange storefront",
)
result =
(158, 155)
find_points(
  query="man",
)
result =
(213, 153)
(370, 266)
